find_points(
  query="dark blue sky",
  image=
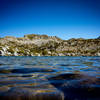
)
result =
(63, 18)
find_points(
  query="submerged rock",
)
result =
(30, 70)
(77, 87)
(26, 70)
(32, 94)
(4, 89)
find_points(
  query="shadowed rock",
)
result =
(32, 94)
(77, 87)
(30, 70)
(26, 70)
(4, 89)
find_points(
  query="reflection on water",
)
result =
(49, 78)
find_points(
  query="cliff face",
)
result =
(43, 45)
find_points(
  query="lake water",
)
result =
(49, 78)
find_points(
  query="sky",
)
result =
(63, 18)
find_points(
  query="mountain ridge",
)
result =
(44, 45)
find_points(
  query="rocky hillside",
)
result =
(43, 45)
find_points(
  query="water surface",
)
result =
(46, 78)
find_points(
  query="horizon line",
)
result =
(45, 34)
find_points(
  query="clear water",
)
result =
(47, 74)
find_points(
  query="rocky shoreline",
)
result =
(43, 45)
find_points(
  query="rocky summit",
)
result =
(44, 45)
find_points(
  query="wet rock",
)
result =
(5, 71)
(32, 94)
(26, 70)
(68, 76)
(16, 81)
(77, 87)
(4, 89)
(30, 70)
